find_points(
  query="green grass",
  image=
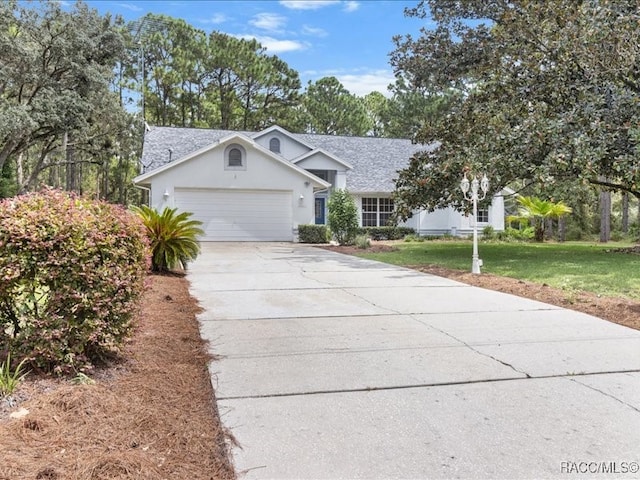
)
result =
(570, 266)
(10, 378)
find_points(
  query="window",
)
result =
(274, 145)
(376, 212)
(234, 158)
(323, 174)
(483, 215)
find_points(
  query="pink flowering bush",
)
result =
(72, 271)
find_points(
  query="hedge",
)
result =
(387, 233)
(313, 234)
(72, 271)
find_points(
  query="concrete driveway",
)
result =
(338, 367)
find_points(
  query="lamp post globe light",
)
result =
(473, 196)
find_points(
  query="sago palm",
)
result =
(539, 210)
(173, 237)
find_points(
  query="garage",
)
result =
(239, 215)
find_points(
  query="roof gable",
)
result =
(234, 137)
(321, 152)
(283, 132)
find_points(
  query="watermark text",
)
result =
(599, 467)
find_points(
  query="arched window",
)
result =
(274, 145)
(235, 158)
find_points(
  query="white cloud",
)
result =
(351, 6)
(273, 45)
(307, 4)
(313, 31)
(129, 6)
(362, 83)
(268, 21)
(216, 19)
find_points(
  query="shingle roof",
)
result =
(165, 144)
(375, 161)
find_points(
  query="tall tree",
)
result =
(548, 93)
(171, 54)
(58, 72)
(53, 65)
(220, 81)
(377, 107)
(330, 109)
(411, 106)
(268, 89)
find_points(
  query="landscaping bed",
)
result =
(150, 415)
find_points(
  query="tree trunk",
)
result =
(548, 228)
(539, 230)
(19, 170)
(605, 216)
(625, 212)
(562, 229)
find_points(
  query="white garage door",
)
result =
(239, 215)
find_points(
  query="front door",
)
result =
(320, 211)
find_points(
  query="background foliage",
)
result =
(546, 97)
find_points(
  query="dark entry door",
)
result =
(320, 211)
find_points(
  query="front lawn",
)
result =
(569, 266)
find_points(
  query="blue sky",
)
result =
(350, 40)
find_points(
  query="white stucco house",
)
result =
(253, 186)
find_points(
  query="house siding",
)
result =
(207, 171)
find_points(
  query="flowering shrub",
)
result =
(71, 273)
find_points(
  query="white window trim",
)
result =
(279, 145)
(377, 212)
(487, 216)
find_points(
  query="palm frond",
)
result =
(173, 237)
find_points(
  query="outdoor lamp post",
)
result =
(474, 196)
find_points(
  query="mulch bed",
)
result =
(151, 415)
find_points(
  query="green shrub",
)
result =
(488, 233)
(173, 238)
(516, 235)
(362, 241)
(414, 238)
(574, 233)
(387, 233)
(72, 272)
(343, 217)
(313, 234)
(617, 236)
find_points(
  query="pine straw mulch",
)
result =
(617, 310)
(150, 415)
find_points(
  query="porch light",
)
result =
(477, 186)
(166, 193)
